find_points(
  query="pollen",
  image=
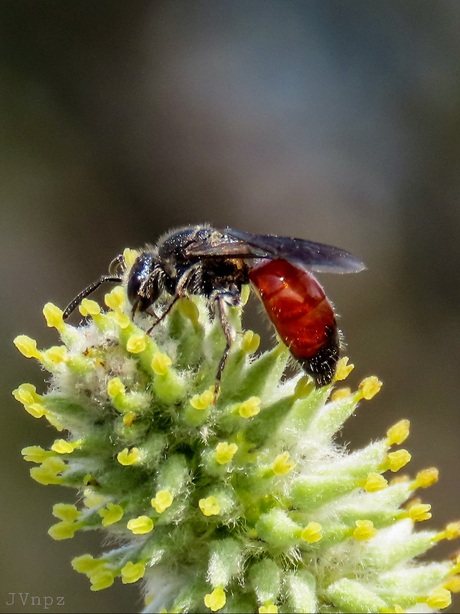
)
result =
(312, 533)
(132, 572)
(398, 433)
(111, 514)
(364, 530)
(225, 452)
(160, 363)
(27, 346)
(283, 464)
(215, 600)
(209, 506)
(397, 460)
(128, 457)
(343, 369)
(202, 401)
(136, 343)
(162, 500)
(375, 482)
(89, 308)
(369, 387)
(426, 478)
(115, 299)
(53, 317)
(140, 525)
(251, 342)
(249, 408)
(268, 608)
(439, 599)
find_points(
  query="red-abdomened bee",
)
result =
(216, 263)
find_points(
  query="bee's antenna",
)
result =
(86, 292)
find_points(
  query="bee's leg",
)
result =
(163, 315)
(221, 300)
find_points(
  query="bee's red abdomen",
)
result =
(301, 313)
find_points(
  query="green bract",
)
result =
(240, 503)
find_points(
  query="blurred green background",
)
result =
(329, 120)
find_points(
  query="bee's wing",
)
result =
(308, 254)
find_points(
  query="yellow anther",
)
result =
(63, 530)
(130, 256)
(128, 418)
(132, 572)
(140, 525)
(27, 346)
(418, 512)
(162, 500)
(48, 472)
(85, 563)
(375, 482)
(283, 464)
(102, 578)
(35, 454)
(62, 446)
(216, 600)
(312, 533)
(245, 294)
(129, 457)
(26, 394)
(426, 478)
(89, 308)
(115, 387)
(115, 299)
(397, 460)
(209, 506)
(369, 387)
(343, 369)
(340, 393)
(92, 498)
(364, 530)
(303, 387)
(398, 433)
(53, 316)
(268, 608)
(160, 363)
(225, 452)
(250, 407)
(450, 532)
(136, 343)
(120, 318)
(453, 584)
(37, 410)
(439, 599)
(189, 310)
(56, 354)
(251, 342)
(111, 514)
(66, 511)
(203, 401)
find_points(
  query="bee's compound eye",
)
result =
(141, 288)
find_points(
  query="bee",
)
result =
(216, 263)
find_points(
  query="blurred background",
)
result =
(328, 120)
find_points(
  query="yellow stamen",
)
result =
(27, 346)
(303, 387)
(140, 525)
(426, 478)
(85, 563)
(450, 532)
(202, 401)
(66, 511)
(130, 256)
(453, 584)
(63, 530)
(209, 506)
(418, 512)
(115, 299)
(312, 533)
(250, 407)
(129, 457)
(268, 608)
(375, 482)
(53, 317)
(189, 310)
(343, 369)
(398, 433)
(162, 500)
(132, 572)
(136, 343)
(225, 452)
(340, 393)
(160, 363)
(215, 600)
(439, 599)
(61, 446)
(89, 307)
(397, 460)
(35, 454)
(111, 514)
(102, 578)
(251, 342)
(283, 464)
(369, 387)
(364, 530)
(115, 387)
(56, 354)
